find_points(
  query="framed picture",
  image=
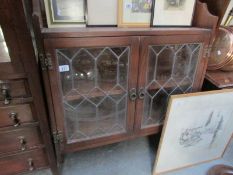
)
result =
(134, 13)
(172, 12)
(65, 13)
(197, 129)
(102, 12)
(225, 20)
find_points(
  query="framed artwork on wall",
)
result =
(65, 13)
(197, 129)
(102, 12)
(134, 13)
(172, 12)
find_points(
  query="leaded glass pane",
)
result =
(171, 70)
(94, 85)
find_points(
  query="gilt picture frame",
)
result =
(134, 13)
(197, 129)
(172, 13)
(68, 13)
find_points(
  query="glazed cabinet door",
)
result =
(168, 65)
(93, 84)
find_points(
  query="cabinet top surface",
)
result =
(114, 31)
(220, 79)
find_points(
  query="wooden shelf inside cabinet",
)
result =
(93, 95)
(107, 88)
(168, 84)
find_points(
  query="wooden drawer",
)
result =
(15, 115)
(15, 88)
(23, 162)
(20, 140)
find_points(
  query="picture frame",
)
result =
(68, 13)
(134, 13)
(102, 13)
(165, 11)
(225, 20)
(197, 129)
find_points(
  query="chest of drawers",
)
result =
(25, 138)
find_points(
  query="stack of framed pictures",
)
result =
(121, 13)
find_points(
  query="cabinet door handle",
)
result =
(133, 94)
(141, 93)
(14, 117)
(23, 143)
(31, 164)
(6, 94)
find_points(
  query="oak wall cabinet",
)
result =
(107, 89)
(105, 85)
(25, 139)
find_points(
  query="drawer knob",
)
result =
(30, 164)
(23, 143)
(14, 117)
(6, 94)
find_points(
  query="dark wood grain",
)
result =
(46, 82)
(217, 8)
(17, 88)
(220, 78)
(7, 25)
(23, 112)
(15, 23)
(32, 69)
(19, 163)
(203, 18)
(116, 32)
(10, 140)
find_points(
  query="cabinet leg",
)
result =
(61, 158)
(55, 170)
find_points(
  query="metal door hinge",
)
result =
(207, 51)
(58, 137)
(46, 61)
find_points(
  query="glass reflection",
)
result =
(4, 53)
